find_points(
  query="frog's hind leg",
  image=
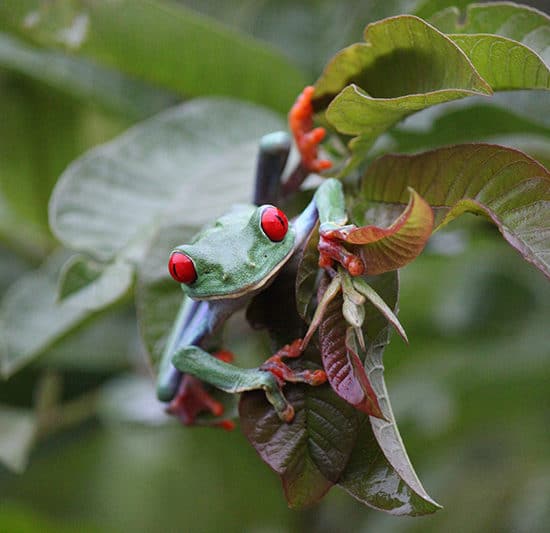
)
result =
(192, 399)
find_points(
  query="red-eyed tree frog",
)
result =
(232, 260)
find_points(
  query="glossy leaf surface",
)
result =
(403, 493)
(311, 452)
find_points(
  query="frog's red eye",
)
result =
(274, 223)
(181, 268)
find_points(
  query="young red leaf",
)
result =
(385, 249)
(340, 355)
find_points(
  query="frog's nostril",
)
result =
(181, 268)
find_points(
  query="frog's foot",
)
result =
(193, 399)
(284, 373)
(307, 138)
(332, 249)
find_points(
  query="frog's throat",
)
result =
(251, 290)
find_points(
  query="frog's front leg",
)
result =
(270, 377)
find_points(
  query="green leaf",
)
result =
(371, 478)
(76, 273)
(401, 491)
(158, 297)
(162, 43)
(504, 63)
(31, 156)
(511, 114)
(505, 185)
(17, 431)
(83, 79)
(31, 318)
(513, 21)
(508, 44)
(385, 430)
(306, 275)
(92, 284)
(384, 249)
(406, 65)
(402, 56)
(309, 454)
(185, 165)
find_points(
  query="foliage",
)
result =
(118, 209)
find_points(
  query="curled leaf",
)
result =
(385, 249)
(506, 185)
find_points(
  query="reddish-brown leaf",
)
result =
(386, 249)
(341, 360)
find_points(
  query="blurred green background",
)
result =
(470, 393)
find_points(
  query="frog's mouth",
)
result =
(252, 288)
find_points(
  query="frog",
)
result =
(233, 259)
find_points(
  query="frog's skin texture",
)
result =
(226, 265)
(234, 257)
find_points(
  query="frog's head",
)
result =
(237, 255)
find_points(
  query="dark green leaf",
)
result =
(307, 275)
(162, 43)
(372, 479)
(83, 79)
(505, 185)
(387, 434)
(311, 452)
